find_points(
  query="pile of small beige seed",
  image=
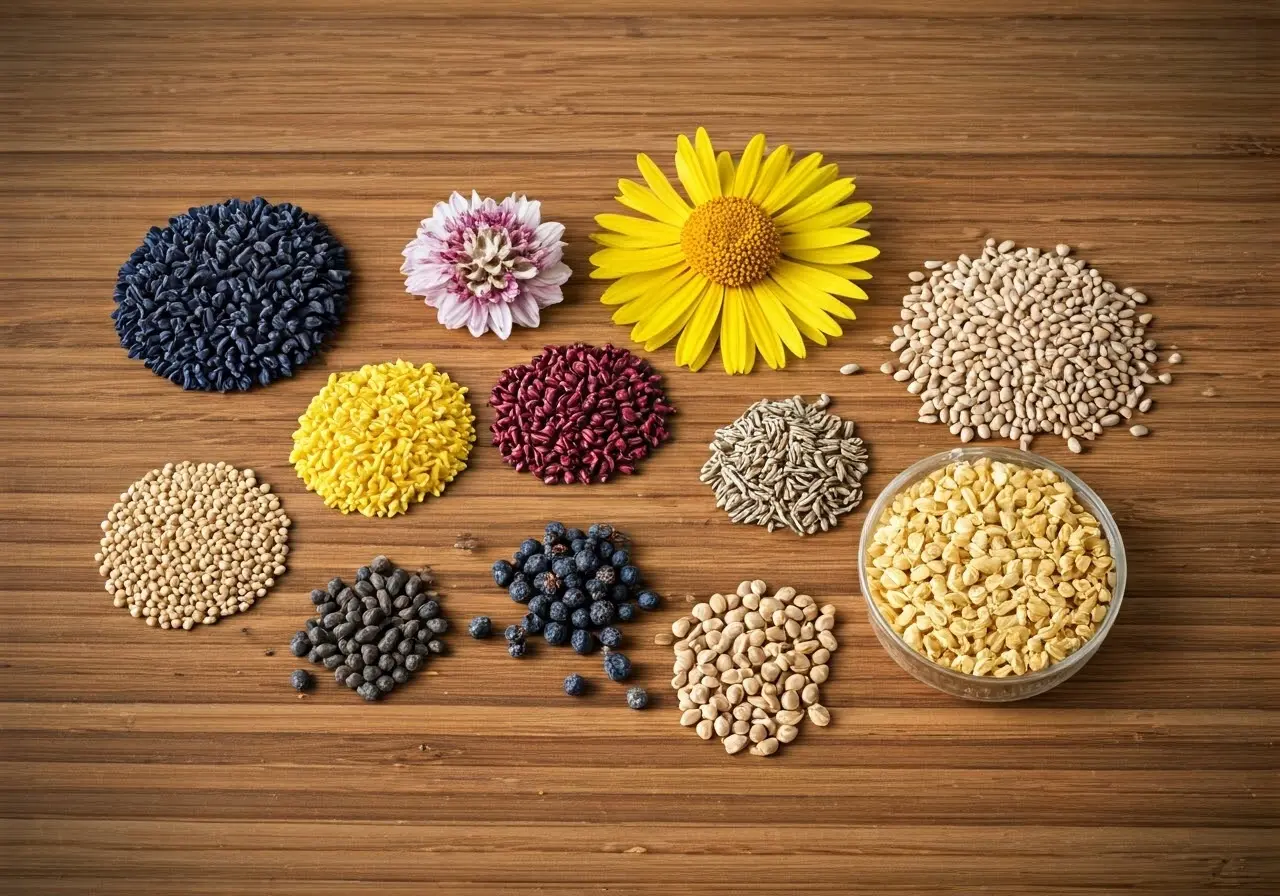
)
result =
(748, 666)
(1018, 342)
(990, 568)
(190, 543)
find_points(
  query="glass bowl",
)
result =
(984, 687)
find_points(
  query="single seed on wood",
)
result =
(1139, 431)
(849, 369)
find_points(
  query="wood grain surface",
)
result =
(141, 761)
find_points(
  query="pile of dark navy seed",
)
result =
(578, 588)
(376, 633)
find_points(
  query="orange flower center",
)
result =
(730, 241)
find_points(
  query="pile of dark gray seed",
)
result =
(375, 634)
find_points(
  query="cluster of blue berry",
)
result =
(578, 586)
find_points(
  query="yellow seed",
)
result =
(382, 437)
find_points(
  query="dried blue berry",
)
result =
(637, 698)
(617, 666)
(611, 637)
(540, 605)
(503, 573)
(301, 680)
(575, 598)
(536, 564)
(580, 618)
(554, 531)
(587, 561)
(602, 613)
(481, 627)
(556, 633)
(520, 590)
(300, 645)
(648, 600)
(517, 648)
(533, 623)
(558, 610)
(600, 530)
(575, 685)
(514, 633)
(582, 641)
(626, 612)
(629, 575)
(231, 295)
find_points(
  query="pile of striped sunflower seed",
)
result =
(1019, 342)
(787, 463)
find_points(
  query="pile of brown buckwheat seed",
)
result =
(191, 543)
(748, 666)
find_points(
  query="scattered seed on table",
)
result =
(188, 544)
(1139, 431)
(637, 698)
(787, 463)
(849, 369)
(617, 666)
(1175, 358)
(301, 680)
(231, 295)
(1018, 343)
(575, 685)
(480, 627)
(579, 413)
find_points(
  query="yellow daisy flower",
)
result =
(759, 257)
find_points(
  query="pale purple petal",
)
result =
(453, 312)
(548, 233)
(555, 275)
(500, 320)
(525, 310)
(478, 322)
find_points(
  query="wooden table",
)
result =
(140, 761)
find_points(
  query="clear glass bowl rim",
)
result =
(1061, 670)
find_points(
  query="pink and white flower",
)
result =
(485, 265)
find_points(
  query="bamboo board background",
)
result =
(139, 761)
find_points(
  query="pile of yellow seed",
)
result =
(379, 438)
(990, 568)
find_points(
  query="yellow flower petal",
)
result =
(748, 167)
(704, 355)
(841, 216)
(737, 352)
(770, 173)
(762, 334)
(643, 200)
(622, 241)
(661, 187)
(819, 298)
(612, 263)
(804, 312)
(778, 317)
(787, 188)
(820, 239)
(658, 340)
(646, 304)
(696, 338)
(629, 287)
(820, 200)
(816, 278)
(661, 234)
(844, 271)
(707, 160)
(850, 254)
(671, 308)
(690, 172)
(724, 169)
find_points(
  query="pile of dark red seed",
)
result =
(579, 413)
(373, 635)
